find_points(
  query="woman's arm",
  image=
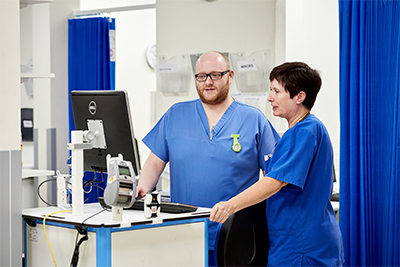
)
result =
(261, 190)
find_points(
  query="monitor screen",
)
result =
(107, 114)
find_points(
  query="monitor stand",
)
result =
(77, 146)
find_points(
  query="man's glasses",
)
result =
(202, 77)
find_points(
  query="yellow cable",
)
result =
(47, 238)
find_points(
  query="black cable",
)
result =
(38, 191)
(75, 256)
(98, 186)
(94, 185)
(91, 216)
(94, 181)
(81, 230)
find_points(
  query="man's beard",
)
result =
(223, 93)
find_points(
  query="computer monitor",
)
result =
(106, 113)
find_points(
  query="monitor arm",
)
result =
(77, 146)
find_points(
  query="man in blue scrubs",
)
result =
(215, 145)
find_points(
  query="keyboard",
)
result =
(168, 207)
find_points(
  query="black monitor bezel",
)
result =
(112, 107)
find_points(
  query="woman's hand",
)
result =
(221, 211)
(260, 191)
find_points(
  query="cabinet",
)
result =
(171, 239)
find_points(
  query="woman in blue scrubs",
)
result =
(302, 225)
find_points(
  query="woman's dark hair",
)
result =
(296, 77)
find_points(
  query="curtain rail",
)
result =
(114, 9)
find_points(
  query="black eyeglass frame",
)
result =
(209, 75)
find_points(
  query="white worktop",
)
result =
(93, 218)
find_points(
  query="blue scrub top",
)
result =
(301, 221)
(204, 169)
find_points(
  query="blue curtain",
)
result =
(90, 67)
(370, 132)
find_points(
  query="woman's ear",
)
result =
(301, 96)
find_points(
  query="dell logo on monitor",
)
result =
(92, 107)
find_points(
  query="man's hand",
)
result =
(140, 192)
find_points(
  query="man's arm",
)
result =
(150, 173)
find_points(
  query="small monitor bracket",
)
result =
(96, 126)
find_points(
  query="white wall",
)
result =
(197, 26)
(312, 35)
(9, 77)
(10, 153)
(305, 30)
(26, 55)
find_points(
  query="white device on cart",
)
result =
(121, 185)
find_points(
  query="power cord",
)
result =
(83, 231)
(38, 191)
(75, 256)
(92, 183)
(40, 196)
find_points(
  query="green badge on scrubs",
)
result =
(236, 146)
